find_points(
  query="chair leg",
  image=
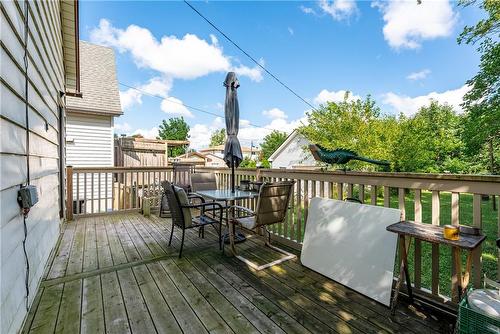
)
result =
(221, 242)
(182, 242)
(221, 239)
(268, 239)
(171, 234)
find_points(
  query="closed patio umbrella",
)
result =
(232, 149)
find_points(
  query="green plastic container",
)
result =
(470, 321)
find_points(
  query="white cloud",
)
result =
(122, 127)
(130, 97)
(174, 106)
(199, 134)
(147, 133)
(334, 96)
(253, 73)
(275, 113)
(290, 31)
(307, 10)
(420, 75)
(408, 23)
(410, 105)
(219, 106)
(338, 9)
(156, 86)
(250, 134)
(244, 123)
(188, 57)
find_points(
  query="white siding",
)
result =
(294, 154)
(89, 140)
(89, 143)
(46, 80)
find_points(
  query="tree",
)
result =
(174, 129)
(481, 127)
(355, 125)
(247, 163)
(218, 137)
(429, 141)
(271, 143)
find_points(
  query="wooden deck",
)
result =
(116, 274)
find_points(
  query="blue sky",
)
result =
(401, 53)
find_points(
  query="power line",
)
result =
(169, 100)
(185, 105)
(249, 56)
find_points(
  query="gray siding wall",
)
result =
(46, 79)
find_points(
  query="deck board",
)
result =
(117, 274)
(92, 313)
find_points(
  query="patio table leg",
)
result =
(403, 274)
(458, 272)
(466, 276)
(232, 228)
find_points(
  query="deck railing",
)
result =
(98, 190)
(436, 199)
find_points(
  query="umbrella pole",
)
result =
(232, 175)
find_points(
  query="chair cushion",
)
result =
(486, 302)
(247, 222)
(183, 200)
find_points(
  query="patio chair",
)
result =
(206, 181)
(182, 175)
(180, 210)
(272, 205)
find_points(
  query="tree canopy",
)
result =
(481, 127)
(271, 142)
(429, 141)
(356, 125)
(175, 128)
(218, 137)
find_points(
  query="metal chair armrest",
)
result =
(192, 196)
(203, 205)
(243, 209)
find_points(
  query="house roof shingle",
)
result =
(98, 85)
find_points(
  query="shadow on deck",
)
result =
(116, 274)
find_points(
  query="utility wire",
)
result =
(249, 56)
(185, 105)
(26, 103)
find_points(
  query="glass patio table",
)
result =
(226, 195)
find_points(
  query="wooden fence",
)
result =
(420, 197)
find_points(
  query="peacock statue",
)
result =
(341, 156)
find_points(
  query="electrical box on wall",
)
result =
(27, 196)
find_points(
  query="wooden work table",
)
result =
(433, 234)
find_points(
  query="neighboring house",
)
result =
(40, 117)
(89, 123)
(194, 158)
(214, 161)
(293, 153)
(248, 152)
(200, 159)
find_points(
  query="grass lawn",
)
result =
(490, 229)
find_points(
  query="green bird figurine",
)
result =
(341, 156)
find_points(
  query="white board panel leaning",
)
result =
(348, 243)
